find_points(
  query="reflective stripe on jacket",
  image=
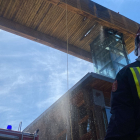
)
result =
(136, 75)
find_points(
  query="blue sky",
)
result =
(33, 76)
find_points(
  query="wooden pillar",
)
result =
(88, 99)
(99, 114)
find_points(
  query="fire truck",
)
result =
(8, 134)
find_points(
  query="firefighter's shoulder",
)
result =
(122, 76)
(127, 67)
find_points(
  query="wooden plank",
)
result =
(88, 6)
(85, 43)
(56, 24)
(78, 30)
(20, 11)
(83, 119)
(33, 13)
(85, 26)
(3, 7)
(43, 16)
(102, 12)
(103, 20)
(8, 7)
(49, 24)
(14, 9)
(73, 27)
(70, 23)
(0, 2)
(21, 17)
(43, 38)
(26, 11)
(40, 15)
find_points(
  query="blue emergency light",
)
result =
(9, 127)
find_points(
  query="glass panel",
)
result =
(108, 54)
(88, 126)
(84, 127)
(108, 114)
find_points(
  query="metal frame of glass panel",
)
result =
(108, 53)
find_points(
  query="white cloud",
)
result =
(5, 109)
(17, 55)
(21, 79)
(4, 90)
(47, 102)
(15, 81)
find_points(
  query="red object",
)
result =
(114, 86)
(17, 135)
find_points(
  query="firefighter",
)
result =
(125, 101)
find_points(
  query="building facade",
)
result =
(80, 114)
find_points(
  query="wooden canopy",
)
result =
(44, 21)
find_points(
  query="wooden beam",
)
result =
(102, 15)
(42, 38)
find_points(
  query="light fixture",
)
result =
(9, 127)
(88, 32)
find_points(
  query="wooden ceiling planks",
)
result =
(93, 35)
(13, 10)
(20, 11)
(41, 14)
(61, 25)
(75, 28)
(36, 14)
(132, 26)
(62, 29)
(96, 13)
(86, 26)
(73, 25)
(29, 7)
(117, 19)
(0, 2)
(55, 28)
(3, 7)
(101, 85)
(11, 2)
(129, 43)
(49, 18)
(32, 14)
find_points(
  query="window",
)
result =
(88, 126)
(108, 114)
(85, 127)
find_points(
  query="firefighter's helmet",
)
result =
(137, 42)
